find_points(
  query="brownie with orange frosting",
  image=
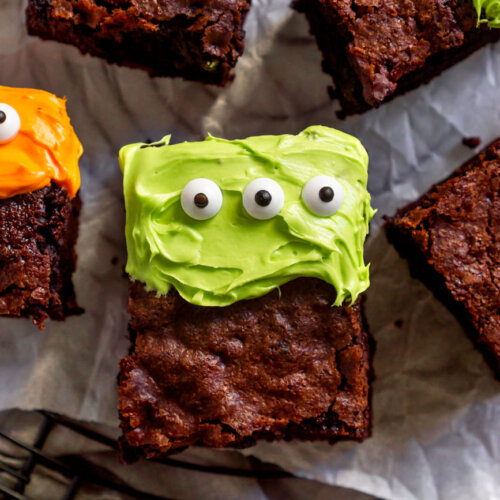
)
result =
(39, 205)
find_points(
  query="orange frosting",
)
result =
(45, 149)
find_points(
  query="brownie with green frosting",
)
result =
(214, 258)
(451, 236)
(194, 40)
(247, 270)
(282, 366)
(376, 50)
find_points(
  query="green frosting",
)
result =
(233, 256)
(488, 11)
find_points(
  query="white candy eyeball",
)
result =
(10, 123)
(201, 199)
(323, 195)
(263, 198)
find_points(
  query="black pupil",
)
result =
(201, 200)
(3, 117)
(326, 194)
(263, 198)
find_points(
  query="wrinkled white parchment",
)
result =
(436, 404)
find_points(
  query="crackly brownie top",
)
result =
(217, 19)
(218, 374)
(157, 10)
(223, 221)
(215, 26)
(391, 38)
(457, 227)
(37, 143)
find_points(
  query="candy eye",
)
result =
(323, 195)
(10, 123)
(201, 199)
(263, 198)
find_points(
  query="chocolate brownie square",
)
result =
(195, 40)
(39, 205)
(38, 231)
(375, 50)
(285, 365)
(451, 236)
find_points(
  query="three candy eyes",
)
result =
(10, 123)
(263, 198)
(201, 198)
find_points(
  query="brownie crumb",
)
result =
(471, 142)
(398, 323)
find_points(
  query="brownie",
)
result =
(375, 50)
(195, 40)
(285, 365)
(451, 237)
(38, 231)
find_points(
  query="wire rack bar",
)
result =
(80, 472)
(12, 472)
(12, 494)
(30, 462)
(270, 472)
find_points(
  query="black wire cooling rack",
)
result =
(79, 472)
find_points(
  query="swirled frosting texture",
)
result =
(232, 256)
(488, 11)
(45, 149)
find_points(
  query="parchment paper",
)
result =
(436, 404)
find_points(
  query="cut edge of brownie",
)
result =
(421, 269)
(348, 89)
(326, 426)
(53, 228)
(168, 49)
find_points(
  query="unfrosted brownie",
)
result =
(267, 368)
(375, 50)
(451, 237)
(188, 38)
(39, 205)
